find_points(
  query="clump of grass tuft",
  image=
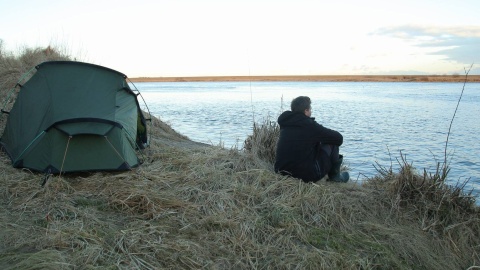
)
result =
(443, 210)
(428, 192)
(263, 140)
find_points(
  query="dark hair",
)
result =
(300, 104)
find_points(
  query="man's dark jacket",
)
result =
(297, 147)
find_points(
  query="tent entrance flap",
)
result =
(87, 152)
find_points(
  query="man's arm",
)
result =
(328, 136)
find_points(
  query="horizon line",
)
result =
(340, 78)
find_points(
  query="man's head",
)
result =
(302, 104)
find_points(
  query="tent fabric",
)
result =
(73, 116)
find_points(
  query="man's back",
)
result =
(298, 144)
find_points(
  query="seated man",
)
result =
(306, 149)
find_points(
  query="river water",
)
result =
(380, 121)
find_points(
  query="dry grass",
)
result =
(192, 206)
(440, 209)
(262, 142)
(208, 207)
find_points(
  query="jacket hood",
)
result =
(289, 118)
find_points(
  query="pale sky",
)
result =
(253, 37)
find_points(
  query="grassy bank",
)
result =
(192, 206)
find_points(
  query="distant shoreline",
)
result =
(316, 78)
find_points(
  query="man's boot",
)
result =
(335, 175)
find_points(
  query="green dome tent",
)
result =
(74, 116)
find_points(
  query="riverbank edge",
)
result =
(315, 78)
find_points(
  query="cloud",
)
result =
(456, 43)
(413, 31)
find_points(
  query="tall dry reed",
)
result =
(262, 142)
